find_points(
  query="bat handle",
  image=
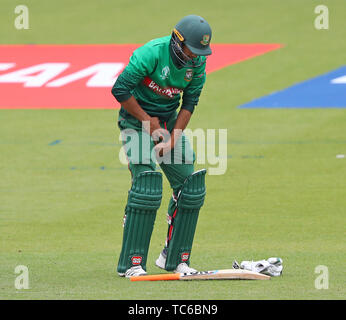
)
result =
(157, 277)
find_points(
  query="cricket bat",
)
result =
(225, 274)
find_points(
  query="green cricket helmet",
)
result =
(195, 33)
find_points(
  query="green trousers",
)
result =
(138, 147)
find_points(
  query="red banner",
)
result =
(81, 76)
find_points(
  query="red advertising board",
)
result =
(81, 76)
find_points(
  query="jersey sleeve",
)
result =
(193, 91)
(141, 64)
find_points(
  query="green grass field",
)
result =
(284, 193)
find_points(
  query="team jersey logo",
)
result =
(165, 73)
(188, 75)
(205, 39)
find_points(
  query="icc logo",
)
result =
(165, 73)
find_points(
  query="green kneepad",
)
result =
(144, 200)
(184, 221)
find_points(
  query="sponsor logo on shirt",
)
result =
(170, 92)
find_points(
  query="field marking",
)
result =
(55, 142)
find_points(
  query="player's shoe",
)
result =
(161, 261)
(133, 272)
(181, 268)
(184, 268)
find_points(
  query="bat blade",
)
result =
(225, 274)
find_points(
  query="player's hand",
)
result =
(163, 148)
(156, 132)
(154, 124)
(154, 129)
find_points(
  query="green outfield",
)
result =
(63, 189)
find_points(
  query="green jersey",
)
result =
(157, 81)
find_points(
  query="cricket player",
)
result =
(158, 76)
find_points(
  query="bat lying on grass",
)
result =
(226, 274)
